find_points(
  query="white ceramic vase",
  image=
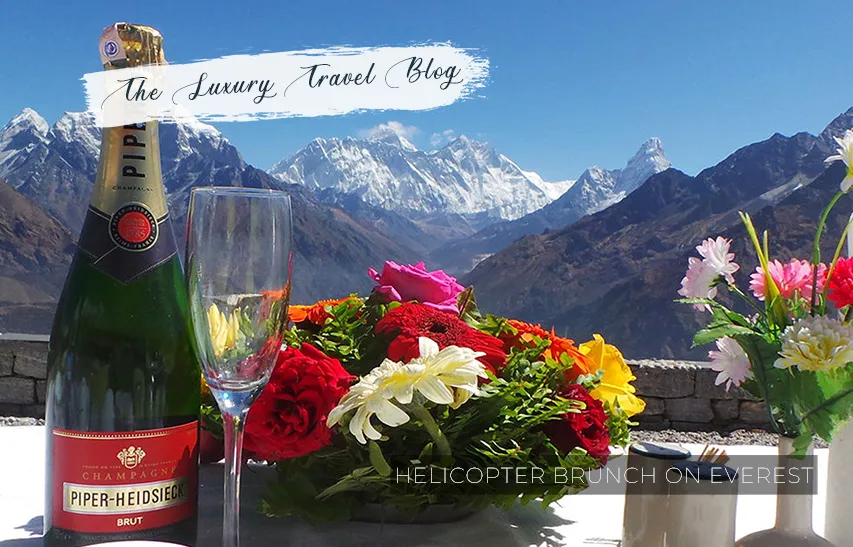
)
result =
(839, 492)
(793, 514)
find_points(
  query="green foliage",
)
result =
(619, 425)
(495, 326)
(211, 419)
(348, 334)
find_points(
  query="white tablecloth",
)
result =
(581, 520)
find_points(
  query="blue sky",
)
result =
(573, 83)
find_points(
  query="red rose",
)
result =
(407, 323)
(586, 429)
(289, 418)
(841, 283)
(211, 448)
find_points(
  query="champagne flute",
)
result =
(239, 268)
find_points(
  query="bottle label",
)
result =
(127, 230)
(124, 482)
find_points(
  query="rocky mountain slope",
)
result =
(35, 251)
(617, 272)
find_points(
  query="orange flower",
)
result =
(298, 314)
(270, 298)
(525, 335)
(582, 363)
(315, 313)
(559, 346)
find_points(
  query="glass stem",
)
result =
(233, 426)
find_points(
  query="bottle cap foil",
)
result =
(124, 45)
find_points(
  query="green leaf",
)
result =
(776, 386)
(426, 453)
(718, 330)
(801, 444)
(467, 305)
(353, 481)
(378, 460)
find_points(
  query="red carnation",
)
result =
(586, 429)
(289, 418)
(406, 323)
(841, 283)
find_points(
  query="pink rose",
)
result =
(398, 283)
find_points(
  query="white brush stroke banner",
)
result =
(319, 82)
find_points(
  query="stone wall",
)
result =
(22, 375)
(682, 395)
(679, 395)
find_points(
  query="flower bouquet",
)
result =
(411, 398)
(794, 347)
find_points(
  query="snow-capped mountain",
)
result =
(649, 160)
(53, 169)
(55, 165)
(465, 177)
(19, 137)
(595, 190)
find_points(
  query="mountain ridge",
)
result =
(465, 177)
(617, 272)
(596, 189)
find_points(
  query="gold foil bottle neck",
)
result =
(125, 45)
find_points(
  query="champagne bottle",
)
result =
(123, 388)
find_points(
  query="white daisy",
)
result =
(845, 154)
(702, 274)
(715, 253)
(369, 398)
(448, 377)
(731, 362)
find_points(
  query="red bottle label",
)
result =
(124, 482)
(133, 227)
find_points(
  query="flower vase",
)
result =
(839, 493)
(793, 512)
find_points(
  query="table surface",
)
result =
(589, 518)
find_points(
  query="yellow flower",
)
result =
(616, 381)
(223, 330)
